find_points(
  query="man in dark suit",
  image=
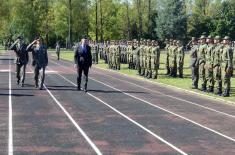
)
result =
(83, 61)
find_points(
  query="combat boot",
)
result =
(203, 88)
(210, 89)
(226, 93)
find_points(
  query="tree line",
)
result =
(68, 20)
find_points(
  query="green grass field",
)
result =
(184, 83)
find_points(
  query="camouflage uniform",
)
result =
(201, 62)
(180, 59)
(155, 59)
(227, 67)
(209, 66)
(194, 64)
(217, 52)
(148, 60)
(117, 56)
(167, 49)
(173, 59)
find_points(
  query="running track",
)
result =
(119, 115)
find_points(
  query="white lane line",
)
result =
(95, 148)
(10, 130)
(4, 71)
(168, 111)
(131, 120)
(153, 105)
(173, 97)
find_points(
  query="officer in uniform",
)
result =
(194, 63)
(110, 54)
(180, 58)
(20, 49)
(57, 50)
(202, 62)
(227, 66)
(217, 52)
(40, 60)
(136, 55)
(209, 64)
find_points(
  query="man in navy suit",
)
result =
(83, 61)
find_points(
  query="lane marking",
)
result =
(10, 128)
(131, 120)
(95, 148)
(163, 109)
(4, 71)
(220, 100)
(173, 97)
(149, 103)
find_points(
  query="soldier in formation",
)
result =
(212, 62)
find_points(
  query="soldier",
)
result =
(209, 64)
(227, 65)
(117, 55)
(110, 55)
(57, 50)
(106, 52)
(130, 55)
(40, 60)
(180, 58)
(155, 60)
(148, 59)
(20, 49)
(173, 59)
(217, 52)
(202, 61)
(136, 55)
(193, 63)
(167, 55)
(141, 69)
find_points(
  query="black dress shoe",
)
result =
(78, 88)
(22, 84)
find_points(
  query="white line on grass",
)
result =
(131, 120)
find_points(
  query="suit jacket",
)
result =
(82, 56)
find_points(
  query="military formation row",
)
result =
(212, 64)
(143, 56)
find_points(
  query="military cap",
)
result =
(193, 39)
(226, 38)
(217, 37)
(20, 37)
(153, 41)
(203, 37)
(209, 37)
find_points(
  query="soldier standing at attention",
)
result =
(148, 59)
(180, 58)
(167, 56)
(20, 49)
(194, 63)
(141, 58)
(155, 59)
(217, 52)
(202, 61)
(40, 60)
(117, 56)
(173, 59)
(227, 66)
(82, 62)
(57, 50)
(209, 64)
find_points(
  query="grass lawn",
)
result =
(184, 83)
